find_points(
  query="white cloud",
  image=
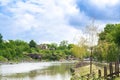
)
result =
(4, 2)
(46, 21)
(102, 4)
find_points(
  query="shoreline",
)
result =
(12, 62)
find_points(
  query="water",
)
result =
(36, 71)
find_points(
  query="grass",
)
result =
(82, 71)
(117, 78)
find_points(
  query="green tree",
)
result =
(109, 40)
(32, 44)
(106, 35)
(63, 44)
(53, 46)
(1, 40)
(79, 50)
(116, 34)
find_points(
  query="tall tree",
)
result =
(32, 43)
(80, 49)
(116, 34)
(91, 32)
(1, 40)
(111, 36)
(63, 44)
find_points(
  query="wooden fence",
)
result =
(113, 71)
(109, 72)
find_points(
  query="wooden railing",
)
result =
(113, 71)
(107, 73)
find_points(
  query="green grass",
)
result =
(117, 78)
(82, 71)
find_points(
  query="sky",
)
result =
(48, 21)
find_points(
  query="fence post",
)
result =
(99, 73)
(88, 75)
(117, 68)
(111, 69)
(105, 72)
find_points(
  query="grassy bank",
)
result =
(81, 73)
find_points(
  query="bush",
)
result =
(2, 59)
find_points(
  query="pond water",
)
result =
(36, 71)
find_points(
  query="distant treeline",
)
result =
(19, 50)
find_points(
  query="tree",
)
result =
(79, 50)
(116, 34)
(53, 46)
(63, 44)
(116, 38)
(91, 32)
(101, 51)
(106, 34)
(111, 36)
(1, 40)
(32, 44)
(70, 46)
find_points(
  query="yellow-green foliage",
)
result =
(2, 59)
(79, 51)
(117, 78)
(103, 49)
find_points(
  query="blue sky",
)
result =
(54, 20)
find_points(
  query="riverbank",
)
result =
(83, 72)
(36, 61)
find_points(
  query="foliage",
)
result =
(2, 59)
(116, 34)
(108, 44)
(63, 44)
(79, 51)
(32, 43)
(16, 50)
(1, 40)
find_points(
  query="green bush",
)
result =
(2, 59)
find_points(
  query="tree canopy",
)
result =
(32, 43)
(109, 43)
(1, 40)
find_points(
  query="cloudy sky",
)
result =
(54, 20)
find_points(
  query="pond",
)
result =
(36, 71)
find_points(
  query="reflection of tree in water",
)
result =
(32, 74)
(58, 69)
(16, 76)
(62, 69)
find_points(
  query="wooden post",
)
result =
(88, 75)
(117, 68)
(111, 70)
(99, 73)
(91, 61)
(105, 72)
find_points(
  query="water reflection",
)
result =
(57, 71)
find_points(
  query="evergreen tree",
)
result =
(1, 40)
(32, 44)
